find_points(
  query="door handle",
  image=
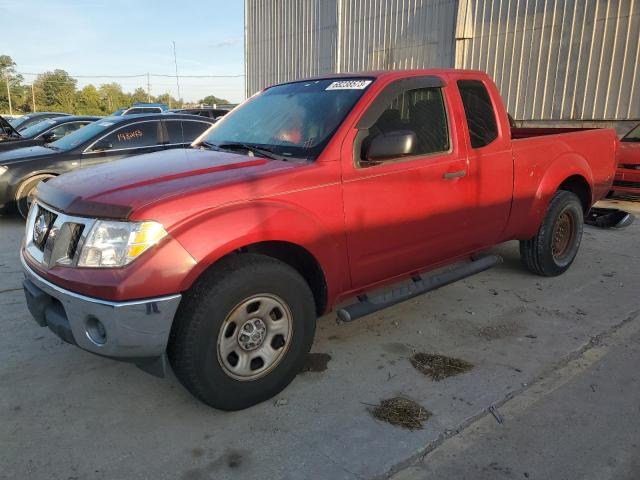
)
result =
(458, 174)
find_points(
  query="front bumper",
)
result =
(135, 331)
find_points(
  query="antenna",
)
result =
(175, 61)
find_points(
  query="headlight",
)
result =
(116, 244)
(3, 169)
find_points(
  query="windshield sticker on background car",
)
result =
(348, 85)
(124, 136)
(105, 124)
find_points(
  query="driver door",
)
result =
(406, 213)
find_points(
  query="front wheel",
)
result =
(553, 249)
(242, 332)
(25, 191)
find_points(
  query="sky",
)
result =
(117, 37)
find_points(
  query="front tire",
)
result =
(554, 248)
(242, 332)
(25, 191)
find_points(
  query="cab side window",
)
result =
(420, 112)
(481, 118)
(136, 135)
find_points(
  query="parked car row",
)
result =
(46, 131)
(104, 140)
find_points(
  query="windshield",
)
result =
(37, 128)
(16, 122)
(293, 120)
(81, 135)
(633, 135)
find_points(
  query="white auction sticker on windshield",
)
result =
(348, 85)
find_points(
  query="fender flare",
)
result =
(230, 228)
(563, 167)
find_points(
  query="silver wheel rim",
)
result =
(254, 337)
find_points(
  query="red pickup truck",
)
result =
(218, 259)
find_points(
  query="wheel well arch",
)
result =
(578, 185)
(298, 258)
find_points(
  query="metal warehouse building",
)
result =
(553, 60)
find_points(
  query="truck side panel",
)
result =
(542, 164)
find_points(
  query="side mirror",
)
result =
(101, 146)
(390, 145)
(49, 137)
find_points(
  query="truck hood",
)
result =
(25, 154)
(116, 189)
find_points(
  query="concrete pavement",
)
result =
(65, 413)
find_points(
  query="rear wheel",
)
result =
(553, 249)
(242, 332)
(25, 191)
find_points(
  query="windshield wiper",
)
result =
(209, 146)
(263, 151)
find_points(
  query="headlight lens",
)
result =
(116, 244)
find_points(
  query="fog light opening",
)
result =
(96, 331)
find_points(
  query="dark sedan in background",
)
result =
(106, 140)
(46, 131)
(25, 121)
(214, 113)
(7, 132)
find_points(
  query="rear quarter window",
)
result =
(185, 131)
(478, 109)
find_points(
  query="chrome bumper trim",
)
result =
(134, 329)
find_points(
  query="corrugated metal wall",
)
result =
(395, 34)
(290, 39)
(552, 59)
(556, 59)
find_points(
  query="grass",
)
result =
(439, 367)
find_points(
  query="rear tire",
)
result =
(242, 332)
(24, 193)
(553, 249)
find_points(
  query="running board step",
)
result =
(372, 303)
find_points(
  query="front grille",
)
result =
(626, 183)
(76, 233)
(55, 238)
(42, 227)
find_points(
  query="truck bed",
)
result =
(528, 132)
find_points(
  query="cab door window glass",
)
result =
(481, 118)
(419, 111)
(136, 135)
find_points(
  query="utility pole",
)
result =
(148, 89)
(9, 94)
(175, 61)
(33, 98)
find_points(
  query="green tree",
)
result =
(140, 95)
(113, 97)
(211, 99)
(169, 100)
(90, 102)
(18, 97)
(55, 91)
